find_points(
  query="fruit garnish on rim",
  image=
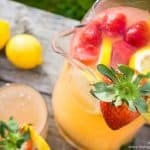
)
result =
(124, 98)
(25, 138)
(140, 60)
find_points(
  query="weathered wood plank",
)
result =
(44, 26)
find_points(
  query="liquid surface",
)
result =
(24, 104)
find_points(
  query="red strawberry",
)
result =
(123, 99)
(117, 117)
(138, 35)
(121, 53)
(91, 34)
(87, 54)
(114, 23)
(29, 145)
(86, 43)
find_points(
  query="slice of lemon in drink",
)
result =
(140, 61)
(36, 139)
(88, 102)
(82, 85)
(105, 52)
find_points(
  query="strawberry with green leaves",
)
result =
(122, 100)
(11, 136)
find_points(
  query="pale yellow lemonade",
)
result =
(77, 112)
(25, 105)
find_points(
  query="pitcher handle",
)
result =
(59, 50)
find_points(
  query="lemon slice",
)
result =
(105, 52)
(92, 76)
(104, 58)
(37, 140)
(140, 61)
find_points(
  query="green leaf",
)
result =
(13, 125)
(148, 75)
(131, 106)
(100, 85)
(19, 142)
(106, 72)
(139, 78)
(104, 92)
(141, 105)
(113, 70)
(27, 135)
(128, 72)
(145, 87)
(104, 96)
(3, 127)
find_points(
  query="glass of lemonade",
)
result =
(25, 105)
(113, 32)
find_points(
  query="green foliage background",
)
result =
(69, 8)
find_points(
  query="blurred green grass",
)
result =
(70, 8)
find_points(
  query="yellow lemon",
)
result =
(104, 58)
(140, 61)
(4, 32)
(38, 142)
(106, 50)
(24, 51)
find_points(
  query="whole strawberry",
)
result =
(122, 100)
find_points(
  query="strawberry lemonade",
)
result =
(118, 35)
(25, 105)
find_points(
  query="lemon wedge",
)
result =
(92, 76)
(104, 58)
(37, 140)
(105, 52)
(140, 61)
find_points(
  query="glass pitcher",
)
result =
(77, 112)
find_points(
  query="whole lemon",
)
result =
(24, 51)
(4, 32)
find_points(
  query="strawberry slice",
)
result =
(121, 53)
(138, 35)
(114, 23)
(123, 99)
(117, 117)
(86, 43)
(29, 145)
(87, 54)
(91, 34)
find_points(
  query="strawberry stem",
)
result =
(126, 88)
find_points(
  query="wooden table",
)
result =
(44, 26)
